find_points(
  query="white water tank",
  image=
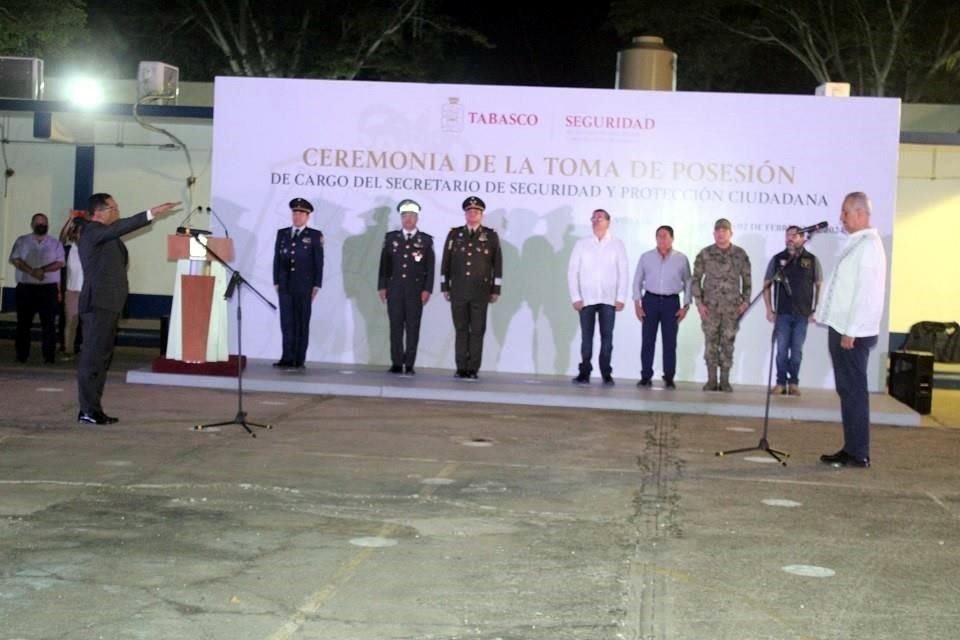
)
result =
(647, 64)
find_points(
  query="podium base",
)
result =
(227, 369)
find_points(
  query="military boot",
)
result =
(725, 380)
(711, 379)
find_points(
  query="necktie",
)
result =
(296, 234)
(409, 237)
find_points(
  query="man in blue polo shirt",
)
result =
(662, 274)
(791, 292)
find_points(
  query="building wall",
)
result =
(926, 259)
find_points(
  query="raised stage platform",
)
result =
(536, 390)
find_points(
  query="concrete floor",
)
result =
(374, 519)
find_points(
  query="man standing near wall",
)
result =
(297, 277)
(38, 258)
(597, 280)
(662, 275)
(471, 274)
(105, 288)
(852, 308)
(405, 282)
(721, 287)
(791, 300)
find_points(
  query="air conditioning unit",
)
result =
(158, 80)
(21, 78)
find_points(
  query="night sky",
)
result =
(542, 43)
(535, 43)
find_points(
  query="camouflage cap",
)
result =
(722, 223)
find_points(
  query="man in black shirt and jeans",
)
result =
(791, 301)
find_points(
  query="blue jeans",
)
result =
(850, 376)
(588, 318)
(791, 330)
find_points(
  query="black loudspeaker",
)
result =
(911, 379)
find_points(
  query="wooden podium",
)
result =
(198, 319)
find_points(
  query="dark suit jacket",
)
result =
(104, 259)
(298, 266)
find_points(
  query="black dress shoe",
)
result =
(834, 458)
(472, 376)
(645, 382)
(608, 381)
(844, 459)
(408, 371)
(460, 374)
(668, 383)
(581, 379)
(395, 369)
(95, 418)
(283, 363)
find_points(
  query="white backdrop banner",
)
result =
(543, 159)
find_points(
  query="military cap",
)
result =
(473, 202)
(301, 204)
(722, 223)
(408, 206)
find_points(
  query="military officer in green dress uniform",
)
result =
(470, 279)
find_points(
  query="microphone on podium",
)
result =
(814, 227)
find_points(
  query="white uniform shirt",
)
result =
(852, 303)
(598, 271)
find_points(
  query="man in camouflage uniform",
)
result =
(470, 276)
(721, 287)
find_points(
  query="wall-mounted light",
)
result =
(85, 92)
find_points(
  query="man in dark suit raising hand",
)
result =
(105, 287)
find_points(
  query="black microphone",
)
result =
(231, 286)
(184, 228)
(815, 227)
(214, 214)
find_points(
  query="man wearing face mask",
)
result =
(38, 259)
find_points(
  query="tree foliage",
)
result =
(906, 48)
(334, 39)
(42, 28)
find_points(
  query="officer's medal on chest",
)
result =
(417, 252)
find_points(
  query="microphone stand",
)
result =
(764, 444)
(237, 283)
